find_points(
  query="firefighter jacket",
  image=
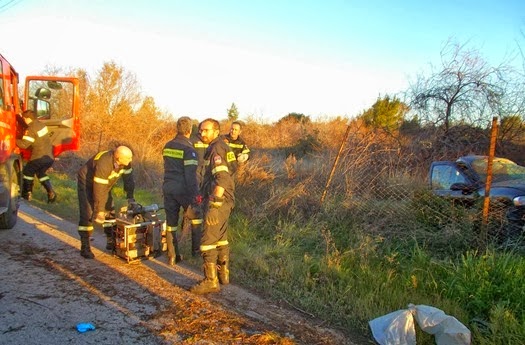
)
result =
(180, 167)
(37, 139)
(100, 173)
(221, 165)
(200, 149)
(238, 145)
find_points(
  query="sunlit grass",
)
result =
(66, 205)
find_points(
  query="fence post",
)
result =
(488, 182)
(343, 141)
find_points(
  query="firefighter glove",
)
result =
(100, 218)
(215, 201)
(242, 157)
(198, 199)
(212, 216)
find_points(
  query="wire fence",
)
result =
(384, 188)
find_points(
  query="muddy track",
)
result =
(47, 289)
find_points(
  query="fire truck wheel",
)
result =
(9, 217)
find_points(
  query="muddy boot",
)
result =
(223, 269)
(85, 248)
(173, 248)
(210, 283)
(27, 189)
(175, 260)
(51, 195)
(110, 240)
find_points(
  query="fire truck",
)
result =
(56, 102)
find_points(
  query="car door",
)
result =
(56, 103)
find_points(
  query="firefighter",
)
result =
(200, 147)
(37, 139)
(95, 202)
(236, 143)
(196, 223)
(218, 191)
(180, 187)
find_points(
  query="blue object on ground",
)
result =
(84, 327)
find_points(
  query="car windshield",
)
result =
(502, 169)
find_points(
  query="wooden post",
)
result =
(343, 142)
(488, 182)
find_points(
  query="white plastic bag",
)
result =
(397, 328)
(446, 329)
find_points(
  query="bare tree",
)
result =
(115, 112)
(110, 100)
(464, 89)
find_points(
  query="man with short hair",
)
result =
(218, 189)
(37, 139)
(180, 187)
(94, 182)
(236, 143)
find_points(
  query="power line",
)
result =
(8, 5)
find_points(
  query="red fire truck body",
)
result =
(56, 102)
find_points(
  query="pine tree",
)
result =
(233, 113)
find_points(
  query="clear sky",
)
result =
(322, 58)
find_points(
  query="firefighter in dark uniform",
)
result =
(218, 191)
(180, 187)
(95, 202)
(236, 143)
(196, 223)
(200, 147)
(37, 139)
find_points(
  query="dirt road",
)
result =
(47, 288)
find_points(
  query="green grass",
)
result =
(336, 266)
(66, 205)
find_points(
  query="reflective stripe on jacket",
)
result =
(100, 173)
(180, 167)
(220, 166)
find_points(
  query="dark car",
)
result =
(464, 180)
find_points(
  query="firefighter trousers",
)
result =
(214, 240)
(85, 207)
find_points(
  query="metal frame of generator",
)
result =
(137, 234)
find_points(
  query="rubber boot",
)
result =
(27, 189)
(51, 195)
(85, 248)
(110, 240)
(173, 248)
(210, 283)
(223, 269)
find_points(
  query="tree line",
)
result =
(445, 112)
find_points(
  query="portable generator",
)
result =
(138, 232)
